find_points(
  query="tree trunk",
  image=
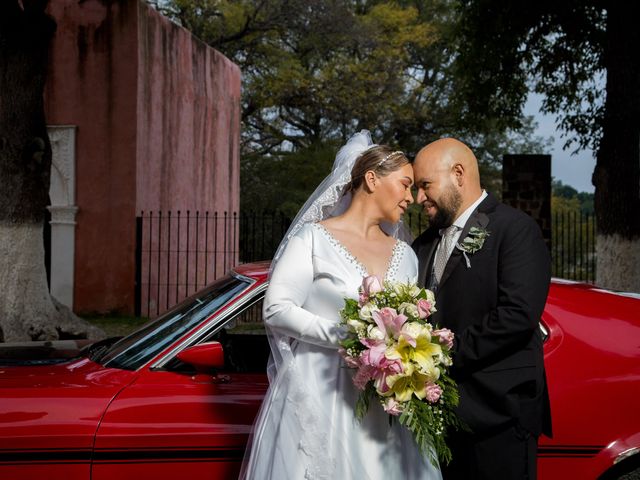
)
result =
(27, 311)
(617, 173)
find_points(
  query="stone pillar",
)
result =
(62, 193)
(526, 185)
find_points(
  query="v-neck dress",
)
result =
(307, 428)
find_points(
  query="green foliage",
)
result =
(566, 51)
(362, 404)
(350, 308)
(566, 198)
(311, 68)
(430, 424)
(316, 72)
(283, 182)
(504, 47)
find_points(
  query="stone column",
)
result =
(62, 193)
(526, 185)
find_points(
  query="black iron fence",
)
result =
(573, 246)
(180, 252)
(177, 253)
(260, 234)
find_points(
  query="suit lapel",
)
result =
(425, 249)
(428, 265)
(477, 219)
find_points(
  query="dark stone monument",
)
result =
(526, 185)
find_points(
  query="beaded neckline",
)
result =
(392, 265)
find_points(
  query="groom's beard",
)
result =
(446, 208)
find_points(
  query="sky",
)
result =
(574, 170)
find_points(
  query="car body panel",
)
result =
(49, 416)
(196, 424)
(594, 380)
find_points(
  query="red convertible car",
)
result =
(177, 398)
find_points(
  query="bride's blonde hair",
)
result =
(381, 159)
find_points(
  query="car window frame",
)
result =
(215, 323)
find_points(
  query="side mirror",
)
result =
(205, 357)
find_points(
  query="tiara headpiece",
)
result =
(392, 154)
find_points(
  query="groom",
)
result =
(490, 269)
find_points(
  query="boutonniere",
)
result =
(472, 243)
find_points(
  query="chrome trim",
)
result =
(545, 332)
(243, 277)
(626, 454)
(214, 323)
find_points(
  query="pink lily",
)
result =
(389, 321)
(376, 366)
(374, 355)
(391, 367)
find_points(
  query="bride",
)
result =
(348, 229)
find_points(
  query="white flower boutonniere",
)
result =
(472, 243)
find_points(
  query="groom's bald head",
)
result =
(445, 153)
(448, 180)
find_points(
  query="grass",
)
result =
(116, 325)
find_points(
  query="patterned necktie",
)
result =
(445, 251)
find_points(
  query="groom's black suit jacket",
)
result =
(494, 307)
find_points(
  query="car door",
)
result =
(172, 423)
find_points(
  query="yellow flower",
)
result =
(408, 383)
(414, 345)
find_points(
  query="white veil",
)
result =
(326, 201)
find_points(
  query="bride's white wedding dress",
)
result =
(307, 427)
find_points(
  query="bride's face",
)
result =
(393, 193)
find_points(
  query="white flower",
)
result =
(416, 329)
(366, 311)
(409, 309)
(398, 289)
(375, 333)
(445, 359)
(472, 243)
(356, 325)
(431, 296)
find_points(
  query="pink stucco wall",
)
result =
(192, 91)
(157, 116)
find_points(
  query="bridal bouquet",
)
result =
(401, 360)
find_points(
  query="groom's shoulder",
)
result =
(509, 213)
(506, 218)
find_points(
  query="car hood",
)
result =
(56, 365)
(40, 353)
(56, 406)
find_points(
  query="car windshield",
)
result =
(135, 350)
